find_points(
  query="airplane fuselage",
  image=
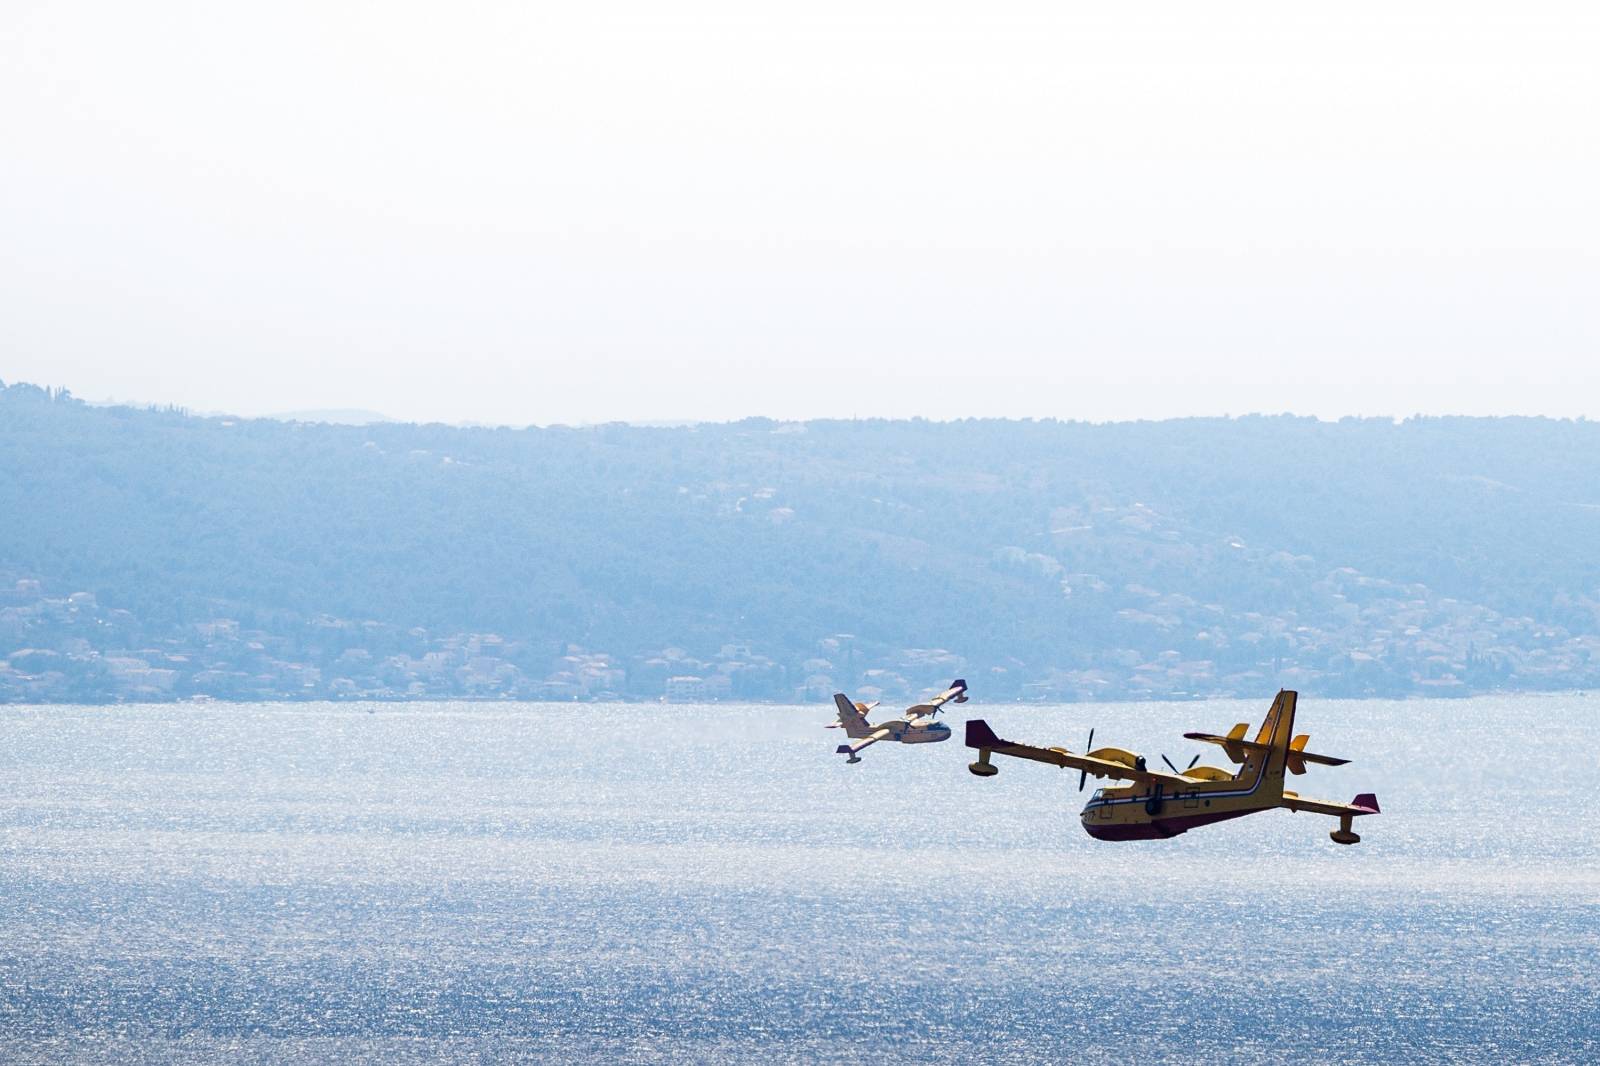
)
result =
(923, 733)
(1175, 814)
(1155, 812)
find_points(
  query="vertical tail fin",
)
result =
(851, 717)
(1276, 731)
(1278, 726)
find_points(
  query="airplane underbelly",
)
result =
(1142, 827)
(924, 736)
(1128, 831)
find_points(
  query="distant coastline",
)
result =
(149, 554)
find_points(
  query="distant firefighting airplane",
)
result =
(1159, 805)
(916, 726)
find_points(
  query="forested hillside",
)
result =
(151, 554)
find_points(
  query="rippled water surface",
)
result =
(488, 882)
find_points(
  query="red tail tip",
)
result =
(1367, 800)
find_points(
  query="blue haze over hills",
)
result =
(149, 554)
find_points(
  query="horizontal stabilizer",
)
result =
(1237, 749)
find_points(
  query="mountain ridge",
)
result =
(1049, 559)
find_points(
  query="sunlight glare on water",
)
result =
(471, 881)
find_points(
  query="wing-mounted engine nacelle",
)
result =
(1119, 755)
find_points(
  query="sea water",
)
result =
(497, 881)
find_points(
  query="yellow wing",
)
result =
(1366, 803)
(957, 691)
(858, 743)
(1103, 762)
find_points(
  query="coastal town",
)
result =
(68, 646)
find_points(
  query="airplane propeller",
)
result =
(1083, 775)
(1185, 769)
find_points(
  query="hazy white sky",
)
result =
(525, 212)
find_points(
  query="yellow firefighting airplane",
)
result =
(1159, 805)
(916, 726)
